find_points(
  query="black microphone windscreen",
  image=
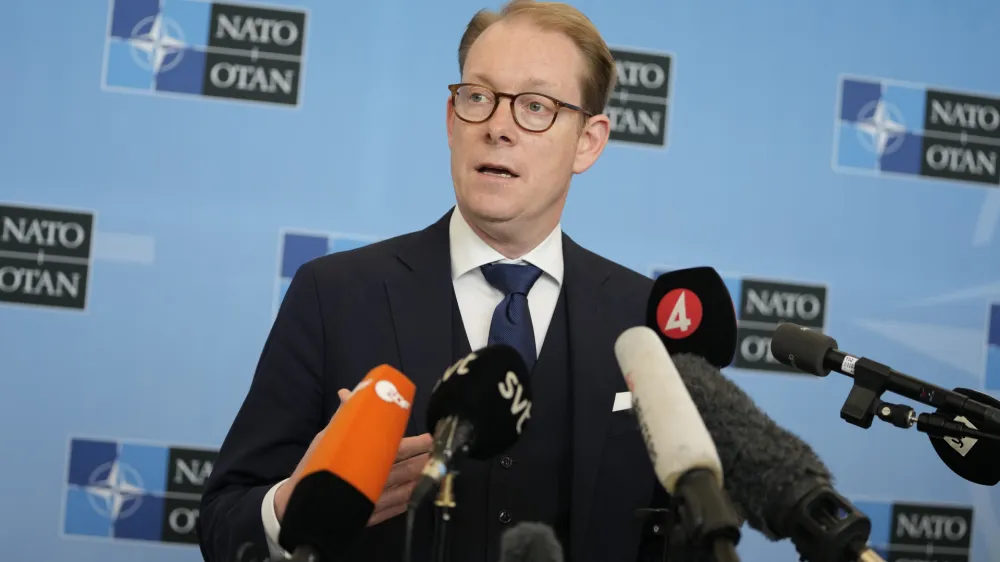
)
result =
(760, 459)
(802, 348)
(530, 542)
(326, 513)
(489, 389)
(973, 459)
(693, 312)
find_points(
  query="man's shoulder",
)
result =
(630, 277)
(622, 276)
(627, 290)
(375, 259)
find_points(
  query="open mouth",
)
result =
(496, 171)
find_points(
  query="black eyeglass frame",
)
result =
(453, 88)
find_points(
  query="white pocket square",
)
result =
(623, 401)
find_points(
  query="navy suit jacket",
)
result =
(391, 302)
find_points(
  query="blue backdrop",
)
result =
(147, 224)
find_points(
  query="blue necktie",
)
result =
(511, 319)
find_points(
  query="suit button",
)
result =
(506, 461)
(505, 516)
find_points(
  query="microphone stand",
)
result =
(445, 503)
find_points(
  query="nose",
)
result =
(501, 127)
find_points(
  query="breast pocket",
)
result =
(623, 423)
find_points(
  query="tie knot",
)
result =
(511, 278)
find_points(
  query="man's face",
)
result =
(515, 57)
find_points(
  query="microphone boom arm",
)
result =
(934, 425)
(872, 379)
(817, 353)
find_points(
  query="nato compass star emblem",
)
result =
(157, 43)
(115, 490)
(881, 127)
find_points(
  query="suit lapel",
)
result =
(594, 380)
(420, 300)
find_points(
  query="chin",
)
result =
(491, 207)
(493, 213)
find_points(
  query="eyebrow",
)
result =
(531, 83)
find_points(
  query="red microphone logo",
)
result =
(679, 314)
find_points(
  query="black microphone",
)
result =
(972, 455)
(530, 542)
(775, 478)
(816, 353)
(478, 409)
(693, 312)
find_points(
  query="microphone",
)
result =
(478, 409)
(973, 456)
(783, 488)
(684, 457)
(693, 312)
(816, 353)
(346, 473)
(530, 542)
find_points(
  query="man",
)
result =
(526, 117)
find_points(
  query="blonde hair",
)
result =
(599, 77)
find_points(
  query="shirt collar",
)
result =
(469, 251)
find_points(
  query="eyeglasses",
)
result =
(535, 113)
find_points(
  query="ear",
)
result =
(449, 119)
(593, 139)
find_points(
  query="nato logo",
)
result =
(298, 247)
(45, 256)
(134, 491)
(885, 127)
(640, 103)
(211, 50)
(993, 348)
(911, 531)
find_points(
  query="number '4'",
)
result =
(678, 319)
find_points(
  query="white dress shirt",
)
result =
(476, 301)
